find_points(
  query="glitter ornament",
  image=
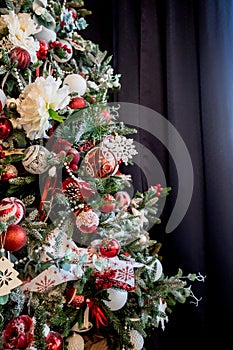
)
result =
(35, 161)
(14, 238)
(87, 221)
(108, 205)
(75, 342)
(18, 333)
(109, 247)
(123, 200)
(3, 100)
(77, 102)
(76, 83)
(12, 210)
(21, 56)
(9, 171)
(117, 299)
(136, 339)
(54, 341)
(73, 299)
(100, 163)
(6, 128)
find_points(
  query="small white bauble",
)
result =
(68, 55)
(136, 339)
(3, 100)
(117, 297)
(75, 342)
(76, 83)
(35, 161)
(46, 34)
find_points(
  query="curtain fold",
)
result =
(176, 58)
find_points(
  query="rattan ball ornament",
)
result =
(136, 339)
(117, 299)
(35, 161)
(75, 342)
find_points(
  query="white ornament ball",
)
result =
(117, 297)
(75, 342)
(35, 161)
(76, 83)
(3, 100)
(12, 210)
(46, 34)
(68, 55)
(136, 339)
(123, 199)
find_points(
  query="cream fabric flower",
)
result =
(38, 98)
(21, 28)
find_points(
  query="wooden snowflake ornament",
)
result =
(8, 277)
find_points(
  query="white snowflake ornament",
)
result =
(121, 147)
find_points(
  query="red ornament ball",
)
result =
(14, 238)
(87, 221)
(12, 209)
(22, 56)
(9, 171)
(43, 50)
(77, 102)
(108, 205)
(109, 248)
(100, 163)
(54, 341)
(6, 128)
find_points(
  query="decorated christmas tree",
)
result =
(78, 269)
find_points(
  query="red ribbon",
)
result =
(97, 314)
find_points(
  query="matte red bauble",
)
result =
(14, 238)
(109, 248)
(22, 56)
(6, 128)
(77, 102)
(54, 341)
(109, 204)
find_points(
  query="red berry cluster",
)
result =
(158, 189)
(59, 45)
(106, 280)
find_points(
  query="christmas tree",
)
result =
(78, 269)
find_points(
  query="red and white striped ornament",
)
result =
(12, 210)
(123, 200)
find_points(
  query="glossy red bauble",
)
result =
(54, 341)
(109, 248)
(75, 160)
(20, 55)
(14, 238)
(77, 102)
(6, 128)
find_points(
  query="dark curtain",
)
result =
(176, 57)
